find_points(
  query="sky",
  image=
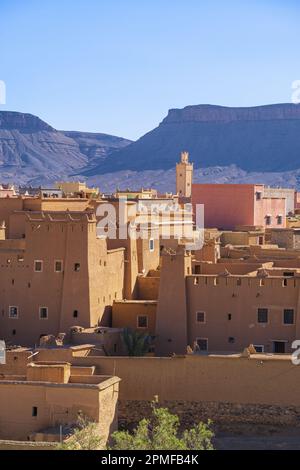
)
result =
(118, 66)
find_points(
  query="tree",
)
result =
(84, 437)
(161, 432)
(137, 343)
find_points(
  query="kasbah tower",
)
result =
(184, 176)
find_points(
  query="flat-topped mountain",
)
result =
(262, 138)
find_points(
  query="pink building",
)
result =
(229, 205)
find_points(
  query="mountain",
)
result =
(96, 146)
(262, 138)
(32, 152)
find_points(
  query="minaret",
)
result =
(184, 176)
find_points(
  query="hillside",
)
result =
(32, 152)
(263, 138)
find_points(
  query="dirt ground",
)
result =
(264, 438)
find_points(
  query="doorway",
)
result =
(279, 347)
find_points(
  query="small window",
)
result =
(38, 266)
(142, 321)
(288, 316)
(229, 316)
(200, 317)
(75, 314)
(197, 269)
(262, 315)
(284, 283)
(58, 266)
(77, 267)
(34, 411)
(151, 244)
(231, 340)
(258, 195)
(259, 348)
(13, 312)
(289, 274)
(279, 220)
(202, 344)
(14, 332)
(268, 220)
(43, 313)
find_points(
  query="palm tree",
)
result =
(137, 343)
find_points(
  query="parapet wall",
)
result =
(262, 379)
(230, 390)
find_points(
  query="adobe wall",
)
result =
(125, 314)
(224, 388)
(241, 297)
(148, 287)
(55, 404)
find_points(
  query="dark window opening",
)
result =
(202, 344)
(75, 314)
(279, 347)
(289, 274)
(34, 411)
(231, 339)
(77, 267)
(288, 316)
(201, 317)
(262, 315)
(142, 321)
(229, 316)
(197, 269)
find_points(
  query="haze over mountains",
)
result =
(260, 144)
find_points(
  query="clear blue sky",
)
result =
(117, 66)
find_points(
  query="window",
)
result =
(202, 344)
(279, 220)
(259, 348)
(44, 313)
(200, 317)
(258, 195)
(262, 315)
(229, 316)
(13, 312)
(288, 316)
(77, 267)
(14, 332)
(268, 220)
(75, 314)
(58, 266)
(231, 339)
(151, 244)
(38, 266)
(197, 269)
(289, 274)
(34, 411)
(142, 321)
